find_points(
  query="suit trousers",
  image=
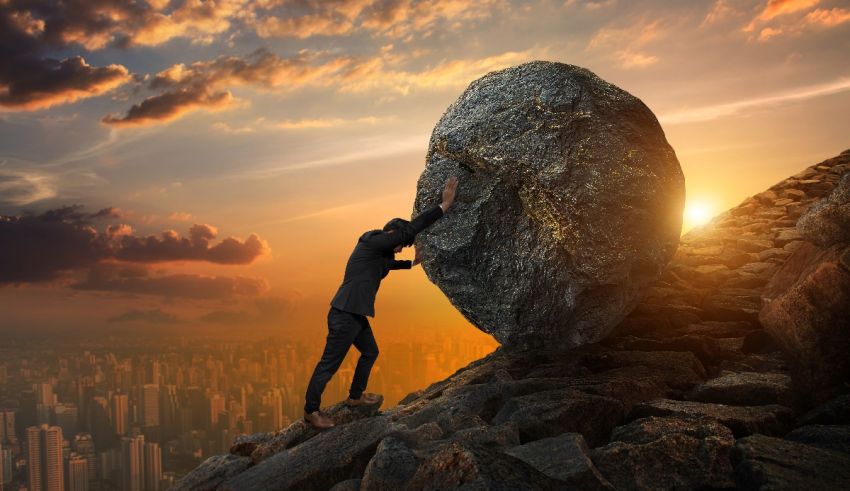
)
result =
(344, 329)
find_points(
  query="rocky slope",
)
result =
(688, 392)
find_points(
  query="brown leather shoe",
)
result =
(318, 420)
(364, 399)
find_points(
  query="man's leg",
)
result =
(365, 343)
(342, 329)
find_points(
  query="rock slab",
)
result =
(569, 204)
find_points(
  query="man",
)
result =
(371, 260)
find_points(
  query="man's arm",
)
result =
(403, 264)
(386, 241)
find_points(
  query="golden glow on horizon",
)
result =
(697, 212)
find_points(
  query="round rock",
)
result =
(569, 203)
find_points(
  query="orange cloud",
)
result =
(327, 22)
(720, 10)
(180, 216)
(392, 18)
(194, 18)
(626, 44)
(819, 18)
(376, 73)
(96, 25)
(768, 32)
(775, 8)
(827, 17)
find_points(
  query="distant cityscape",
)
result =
(137, 412)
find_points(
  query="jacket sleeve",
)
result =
(386, 241)
(403, 264)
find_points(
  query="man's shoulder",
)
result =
(370, 233)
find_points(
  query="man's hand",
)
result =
(449, 193)
(417, 259)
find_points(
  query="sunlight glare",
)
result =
(697, 213)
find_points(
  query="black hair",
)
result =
(395, 224)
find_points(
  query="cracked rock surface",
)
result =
(569, 204)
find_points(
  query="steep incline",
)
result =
(687, 392)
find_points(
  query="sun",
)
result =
(697, 212)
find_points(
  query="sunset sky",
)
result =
(225, 155)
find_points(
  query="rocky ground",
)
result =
(689, 392)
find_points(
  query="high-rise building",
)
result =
(133, 463)
(216, 407)
(43, 413)
(153, 466)
(84, 447)
(150, 412)
(169, 411)
(109, 467)
(44, 394)
(273, 402)
(78, 473)
(156, 368)
(120, 413)
(44, 452)
(6, 464)
(7, 426)
(66, 416)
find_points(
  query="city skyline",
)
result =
(137, 407)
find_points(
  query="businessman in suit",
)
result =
(371, 260)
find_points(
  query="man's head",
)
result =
(392, 226)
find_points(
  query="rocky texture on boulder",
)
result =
(689, 392)
(807, 302)
(569, 204)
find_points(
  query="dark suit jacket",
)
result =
(372, 259)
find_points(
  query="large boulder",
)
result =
(569, 204)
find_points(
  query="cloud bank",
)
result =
(47, 246)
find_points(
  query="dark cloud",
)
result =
(31, 80)
(111, 278)
(40, 247)
(205, 83)
(31, 29)
(170, 105)
(152, 316)
(39, 83)
(169, 246)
